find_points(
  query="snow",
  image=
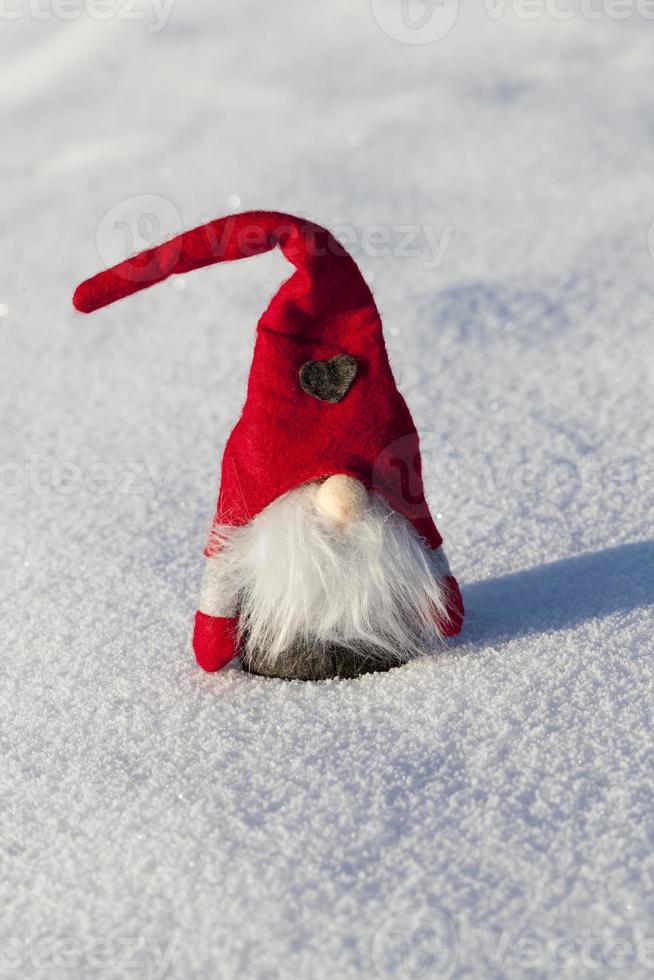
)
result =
(487, 812)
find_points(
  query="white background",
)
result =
(490, 808)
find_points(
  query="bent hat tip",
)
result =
(83, 300)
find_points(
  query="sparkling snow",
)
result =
(484, 813)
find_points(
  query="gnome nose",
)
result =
(342, 499)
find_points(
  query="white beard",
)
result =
(299, 582)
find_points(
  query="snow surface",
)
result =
(484, 813)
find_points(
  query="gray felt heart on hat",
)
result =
(328, 380)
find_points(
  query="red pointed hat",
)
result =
(321, 395)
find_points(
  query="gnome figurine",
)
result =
(323, 559)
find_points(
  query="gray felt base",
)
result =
(306, 662)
